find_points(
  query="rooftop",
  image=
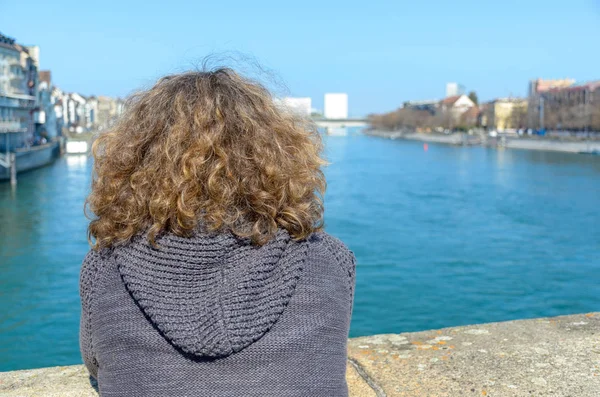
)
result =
(451, 100)
(590, 85)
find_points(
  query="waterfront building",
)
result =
(49, 126)
(58, 98)
(50, 100)
(505, 114)
(429, 105)
(456, 105)
(336, 106)
(18, 90)
(564, 105)
(454, 89)
(471, 117)
(23, 143)
(538, 86)
(91, 112)
(108, 111)
(45, 76)
(76, 112)
(83, 114)
(73, 111)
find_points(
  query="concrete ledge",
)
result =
(557, 356)
(69, 381)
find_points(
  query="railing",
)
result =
(17, 100)
(9, 161)
(13, 126)
(5, 160)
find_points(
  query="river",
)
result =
(444, 237)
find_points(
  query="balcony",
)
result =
(13, 126)
(12, 100)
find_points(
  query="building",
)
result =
(302, 106)
(45, 76)
(471, 117)
(23, 141)
(454, 89)
(456, 105)
(18, 91)
(91, 112)
(564, 105)
(336, 106)
(72, 111)
(47, 106)
(77, 116)
(538, 86)
(505, 114)
(109, 110)
(429, 105)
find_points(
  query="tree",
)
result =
(402, 118)
(595, 118)
(518, 116)
(473, 97)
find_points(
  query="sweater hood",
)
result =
(211, 295)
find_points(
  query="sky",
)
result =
(381, 53)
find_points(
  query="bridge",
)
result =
(340, 123)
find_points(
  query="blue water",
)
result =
(443, 237)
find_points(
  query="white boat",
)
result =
(77, 147)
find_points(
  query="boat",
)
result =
(77, 147)
(31, 157)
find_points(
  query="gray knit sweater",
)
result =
(213, 315)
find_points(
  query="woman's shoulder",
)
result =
(332, 249)
(332, 245)
(93, 262)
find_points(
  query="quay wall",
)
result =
(557, 356)
(526, 143)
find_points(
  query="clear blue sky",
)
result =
(380, 52)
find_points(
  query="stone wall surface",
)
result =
(557, 357)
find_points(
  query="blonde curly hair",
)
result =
(208, 149)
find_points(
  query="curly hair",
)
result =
(210, 149)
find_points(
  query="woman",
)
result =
(209, 274)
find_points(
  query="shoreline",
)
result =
(523, 143)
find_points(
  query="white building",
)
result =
(456, 105)
(454, 89)
(18, 93)
(108, 111)
(302, 106)
(91, 112)
(336, 106)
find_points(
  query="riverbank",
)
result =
(525, 143)
(557, 356)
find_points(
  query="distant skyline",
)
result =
(381, 53)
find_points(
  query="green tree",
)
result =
(473, 97)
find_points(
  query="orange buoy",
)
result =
(425, 147)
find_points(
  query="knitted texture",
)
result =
(86, 287)
(344, 258)
(213, 315)
(219, 295)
